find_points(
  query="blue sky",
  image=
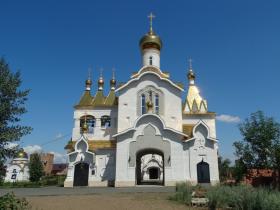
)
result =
(234, 45)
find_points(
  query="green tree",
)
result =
(224, 168)
(260, 147)
(35, 168)
(12, 106)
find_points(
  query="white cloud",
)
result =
(30, 149)
(228, 118)
(59, 158)
(11, 145)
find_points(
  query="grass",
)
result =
(236, 197)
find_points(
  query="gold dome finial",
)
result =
(191, 75)
(150, 40)
(113, 80)
(100, 80)
(21, 154)
(88, 81)
(151, 16)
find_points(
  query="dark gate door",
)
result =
(203, 173)
(81, 174)
(153, 173)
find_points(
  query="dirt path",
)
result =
(120, 201)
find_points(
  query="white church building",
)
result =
(148, 130)
(18, 169)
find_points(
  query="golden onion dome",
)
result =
(88, 82)
(150, 40)
(191, 75)
(113, 82)
(21, 154)
(100, 81)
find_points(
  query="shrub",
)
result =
(10, 202)
(243, 198)
(183, 193)
(53, 180)
(218, 197)
(19, 184)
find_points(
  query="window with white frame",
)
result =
(153, 95)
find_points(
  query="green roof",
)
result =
(85, 100)
(98, 101)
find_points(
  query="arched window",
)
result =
(143, 104)
(151, 60)
(90, 121)
(156, 104)
(105, 121)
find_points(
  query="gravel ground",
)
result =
(113, 201)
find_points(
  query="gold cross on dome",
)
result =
(151, 16)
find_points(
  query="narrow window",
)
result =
(143, 104)
(151, 60)
(105, 121)
(156, 104)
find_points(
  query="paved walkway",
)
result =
(56, 191)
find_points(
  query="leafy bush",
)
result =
(183, 193)
(45, 181)
(19, 184)
(10, 202)
(52, 180)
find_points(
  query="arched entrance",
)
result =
(203, 172)
(149, 167)
(81, 174)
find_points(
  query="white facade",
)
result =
(143, 132)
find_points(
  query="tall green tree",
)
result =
(260, 147)
(224, 168)
(12, 106)
(35, 168)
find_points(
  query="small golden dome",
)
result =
(150, 40)
(113, 82)
(88, 82)
(100, 81)
(21, 154)
(191, 75)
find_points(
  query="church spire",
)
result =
(113, 80)
(194, 102)
(191, 75)
(88, 81)
(100, 80)
(150, 45)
